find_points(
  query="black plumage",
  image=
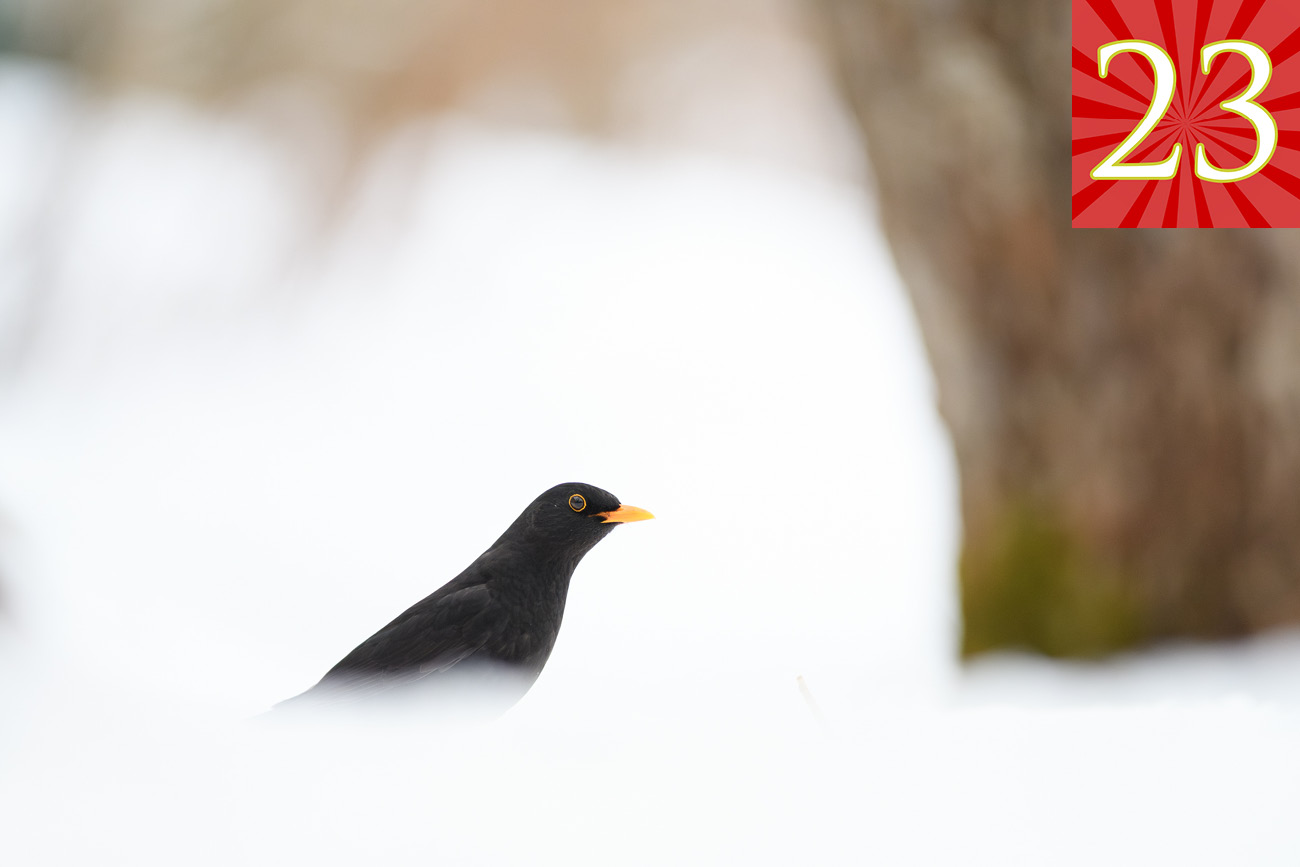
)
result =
(492, 626)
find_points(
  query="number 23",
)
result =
(1261, 70)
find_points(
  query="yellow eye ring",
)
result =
(577, 503)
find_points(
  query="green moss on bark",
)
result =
(1031, 584)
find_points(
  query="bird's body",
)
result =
(492, 627)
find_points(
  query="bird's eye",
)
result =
(577, 503)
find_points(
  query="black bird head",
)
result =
(566, 521)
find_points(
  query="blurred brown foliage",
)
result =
(1125, 405)
(382, 62)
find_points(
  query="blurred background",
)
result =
(301, 303)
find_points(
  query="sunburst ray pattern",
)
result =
(1105, 110)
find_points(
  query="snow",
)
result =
(243, 439)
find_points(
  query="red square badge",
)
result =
(1186, 113)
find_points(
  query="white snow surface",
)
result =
(241, 441)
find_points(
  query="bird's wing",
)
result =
(431, 636)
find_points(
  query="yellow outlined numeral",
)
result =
(1111, 168)
(1166, 77)
(1261, 70)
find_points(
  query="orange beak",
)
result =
(624, 514)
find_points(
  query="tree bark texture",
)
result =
(1124, 404)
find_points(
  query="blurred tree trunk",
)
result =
(1125, 405)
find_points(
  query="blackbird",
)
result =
(492, 627)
